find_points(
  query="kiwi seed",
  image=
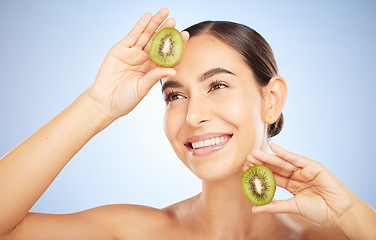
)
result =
(258, 185)
(167, 47)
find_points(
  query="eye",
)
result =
(172, 96)
(217, 85)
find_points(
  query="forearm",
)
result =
(359, 222)
(28, 170)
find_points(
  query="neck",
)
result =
(223, 208)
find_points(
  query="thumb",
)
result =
(280, 206)
(152, 77)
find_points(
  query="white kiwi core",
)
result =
(166, 46)
(258, 185)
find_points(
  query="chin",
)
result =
(216, 171)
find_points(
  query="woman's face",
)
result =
(214, 109)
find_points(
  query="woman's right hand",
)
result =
(127, 72)
(125, 77)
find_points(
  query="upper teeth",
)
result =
(208, 142)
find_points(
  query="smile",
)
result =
(207, 143)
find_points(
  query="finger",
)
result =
(254, 161)
(247, 165)
(153, 25)
(169, 23)
(308, 169)
(281, 181)
(293, 158)
(152, 77)
(292, 185)
(132, 37)
(277, 171)
(275, 163)
(185, 36)
(274, 168)
(280, 206)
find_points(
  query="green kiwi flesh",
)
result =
(167, 47)
(258, 185)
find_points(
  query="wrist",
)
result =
(97, 115)
(358, 222)
(101, 112)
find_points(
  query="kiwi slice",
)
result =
(258, 185)
(167, 47)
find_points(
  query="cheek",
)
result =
(168, 124)
(173, 120)
(241, 109)
(244, 112)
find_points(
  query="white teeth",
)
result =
(208, 142)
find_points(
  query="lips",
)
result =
(207, 143)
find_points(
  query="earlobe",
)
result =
(277, 92)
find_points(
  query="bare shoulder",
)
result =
(139, 222)
(105, 222)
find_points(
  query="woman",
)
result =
(216, 93)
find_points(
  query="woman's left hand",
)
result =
(318, 194)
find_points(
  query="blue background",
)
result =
(50, 52)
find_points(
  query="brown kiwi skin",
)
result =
(177, 50)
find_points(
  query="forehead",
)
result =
(205, 52)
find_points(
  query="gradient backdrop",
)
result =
(50, 52)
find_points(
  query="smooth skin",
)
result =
(125, 77)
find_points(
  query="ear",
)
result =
(275, 97)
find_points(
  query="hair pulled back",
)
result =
(256, 53)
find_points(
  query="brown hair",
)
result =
(252, 46)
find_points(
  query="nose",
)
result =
(198, 112)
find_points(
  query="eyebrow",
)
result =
(213, 72)
(208, 74)
(170, 84)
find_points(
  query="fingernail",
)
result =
(250, 164)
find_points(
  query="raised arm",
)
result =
(125, 77)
